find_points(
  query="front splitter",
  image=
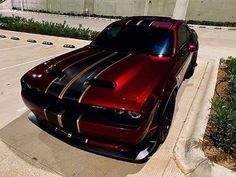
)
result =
(138, 154)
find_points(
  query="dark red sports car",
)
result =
(116, 96)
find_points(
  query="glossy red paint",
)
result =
(135, 77)
(124, 135)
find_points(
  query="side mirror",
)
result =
(192, 47)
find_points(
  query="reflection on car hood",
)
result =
(99, 77)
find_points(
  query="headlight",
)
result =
(134, 115)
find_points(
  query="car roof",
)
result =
(152, 21)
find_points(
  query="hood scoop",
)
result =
(100, 83)
(54, 71)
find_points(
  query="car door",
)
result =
(183, 55)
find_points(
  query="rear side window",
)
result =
(183, 35)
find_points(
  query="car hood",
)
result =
(101, 78)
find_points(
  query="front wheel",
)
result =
(166, 120)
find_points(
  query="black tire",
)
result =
(191, 69)
(166, 120)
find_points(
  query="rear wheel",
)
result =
(166, 120)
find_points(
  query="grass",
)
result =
(47, 28)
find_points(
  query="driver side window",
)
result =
(183, 35)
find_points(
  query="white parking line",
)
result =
(17, 47)
(21, 64)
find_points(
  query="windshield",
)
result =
(136, 39)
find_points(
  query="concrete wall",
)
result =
(6, 5)
(118, 8)
(101, 7)
(63, 6)
(213, 10)
(164, 8)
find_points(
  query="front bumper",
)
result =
(85, 124)
(127, 144)
(136, 154)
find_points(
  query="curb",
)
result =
(188, 153)
(47, 43)
(32, 41)
(71, 46)
(15, 38)
(2, 36)
(212, 27)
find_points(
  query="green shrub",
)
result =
(224, 113)
(48, 28)
(224, 118)
(231, 74)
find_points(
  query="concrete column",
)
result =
(146, 8)
(46, 6)
(11, 4)
(22, 5)
(180, 9)
(89, 5)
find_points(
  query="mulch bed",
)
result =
(214, 153)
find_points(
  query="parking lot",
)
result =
(25, 149)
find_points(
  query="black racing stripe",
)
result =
(76, 89)
(69, 121)
(57, 86)
(52, 113)
(71, 53)
(68, 118)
